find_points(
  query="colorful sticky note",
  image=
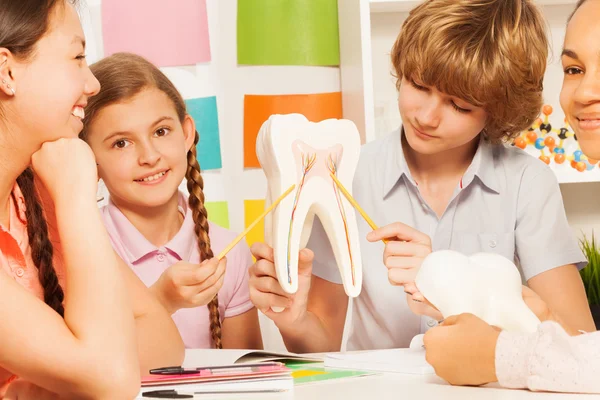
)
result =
(252, 210)
(208, 149)
(305, 373)
(258, 108)
(218, 213)
(166, 32)
(288, 32)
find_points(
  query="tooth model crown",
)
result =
(292, 150)
(484, 284)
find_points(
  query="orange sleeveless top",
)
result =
(15, 254)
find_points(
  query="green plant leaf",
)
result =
(591, 273)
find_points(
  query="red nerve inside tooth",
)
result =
(320, 167)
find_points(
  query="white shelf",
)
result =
(385, 6)
(566, 174)
(393, 5)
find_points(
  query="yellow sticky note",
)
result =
(303, 373)
(252, 210)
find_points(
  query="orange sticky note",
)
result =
(258, 108)
(252, 210)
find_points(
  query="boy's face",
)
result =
(435, 122)
(141, 149)
(580, 94)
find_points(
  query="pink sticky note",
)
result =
(166, 32)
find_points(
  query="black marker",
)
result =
(167, 394)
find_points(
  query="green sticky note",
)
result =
(288, 32)
(307, 373)
(204, 112)
(218, 213)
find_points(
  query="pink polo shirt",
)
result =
(149, 262)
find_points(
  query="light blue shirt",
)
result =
(508, 203)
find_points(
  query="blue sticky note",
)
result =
(204, 112)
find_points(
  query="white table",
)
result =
(390, 386)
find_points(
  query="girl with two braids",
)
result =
(145, 145)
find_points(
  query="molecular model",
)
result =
(558, 145)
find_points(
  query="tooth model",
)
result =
(484, 284)
(292, 150)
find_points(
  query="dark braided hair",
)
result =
(41, 247)
(22, 24)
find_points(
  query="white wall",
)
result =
(583, 207)
(581, 203)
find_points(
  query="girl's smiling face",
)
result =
(141, 147)
(52, 86)
(580, 94)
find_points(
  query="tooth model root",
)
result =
(295, 151)
(324, 163)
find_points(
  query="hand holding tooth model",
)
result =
(484, 284)
(318, 160)
(294, 151)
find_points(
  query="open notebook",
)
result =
(405, 361)
(227, 357)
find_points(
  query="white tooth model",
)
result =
(292, 150)
(484, 284)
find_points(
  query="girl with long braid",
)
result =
(70, 310)
(145, 145)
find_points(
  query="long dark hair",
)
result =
(22, 24)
